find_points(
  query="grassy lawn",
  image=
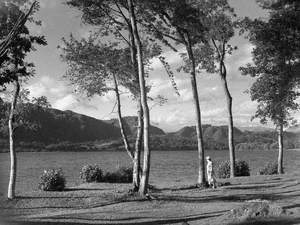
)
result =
(112, 204)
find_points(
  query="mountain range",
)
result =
(66, 130)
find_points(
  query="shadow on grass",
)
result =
(269, 181)
(179, 188)
(269, 221)
(49, 197)
(250, 187)
(127, 221)
(85, 189)
(292, 206)
(218, 198)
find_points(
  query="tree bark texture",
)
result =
(230, 124)
(146, 117)
(120, 118)
(280, 150)
(137, 153)
(201, 171)
(13, 156)
(139, 137)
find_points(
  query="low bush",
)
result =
(52, 180)
(252, 210)
(91, 173)
(269, 169)
(121, 175)
(241, 169)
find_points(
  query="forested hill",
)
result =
(130, 124)
(48, 126)
(56, 130)
(53, 126)
(216, 137)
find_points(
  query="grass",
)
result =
(98, 203)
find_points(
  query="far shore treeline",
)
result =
(69, 131)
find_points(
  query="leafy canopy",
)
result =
(15, 65)
(275, 61)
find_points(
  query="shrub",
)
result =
(121, 175)
(241, 169)
(91, 173)
(52, 180)
(269, 169)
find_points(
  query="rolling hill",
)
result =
(130, 124)
(56, 130)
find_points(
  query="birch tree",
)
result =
(96, 68)
(218, 19)
(15, 67)
(117, 19)
(179, 23)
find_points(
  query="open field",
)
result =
(172, 201)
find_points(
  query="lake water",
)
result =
(167, 167)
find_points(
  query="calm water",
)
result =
(167, 168)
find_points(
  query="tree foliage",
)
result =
(13, 63)
(91, 64)
(22, 115)
(275, 61)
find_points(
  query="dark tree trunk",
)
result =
(146, 117)
(230, 124)
(280, 150)
(201, 171)
(13, 156)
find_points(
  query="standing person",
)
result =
(210, 173)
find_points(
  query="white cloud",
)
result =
(108, 97)
(49, 87)
(217, 112)
(246, 108)
(38, 29)
(67, 102)
(37, 89)
(186, 95)
(48, 4)
(158, 86)
(171, 56)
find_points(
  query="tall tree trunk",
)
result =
(135, 157)
(120, 118)
(13, 156)
(137, 152)
(230, 124)
(139, 135)
(201, 171)
(146, 117)
(280, 150)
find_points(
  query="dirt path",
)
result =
(110, 204)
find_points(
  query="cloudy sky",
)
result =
(59, 21)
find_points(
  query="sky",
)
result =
(58, 21)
